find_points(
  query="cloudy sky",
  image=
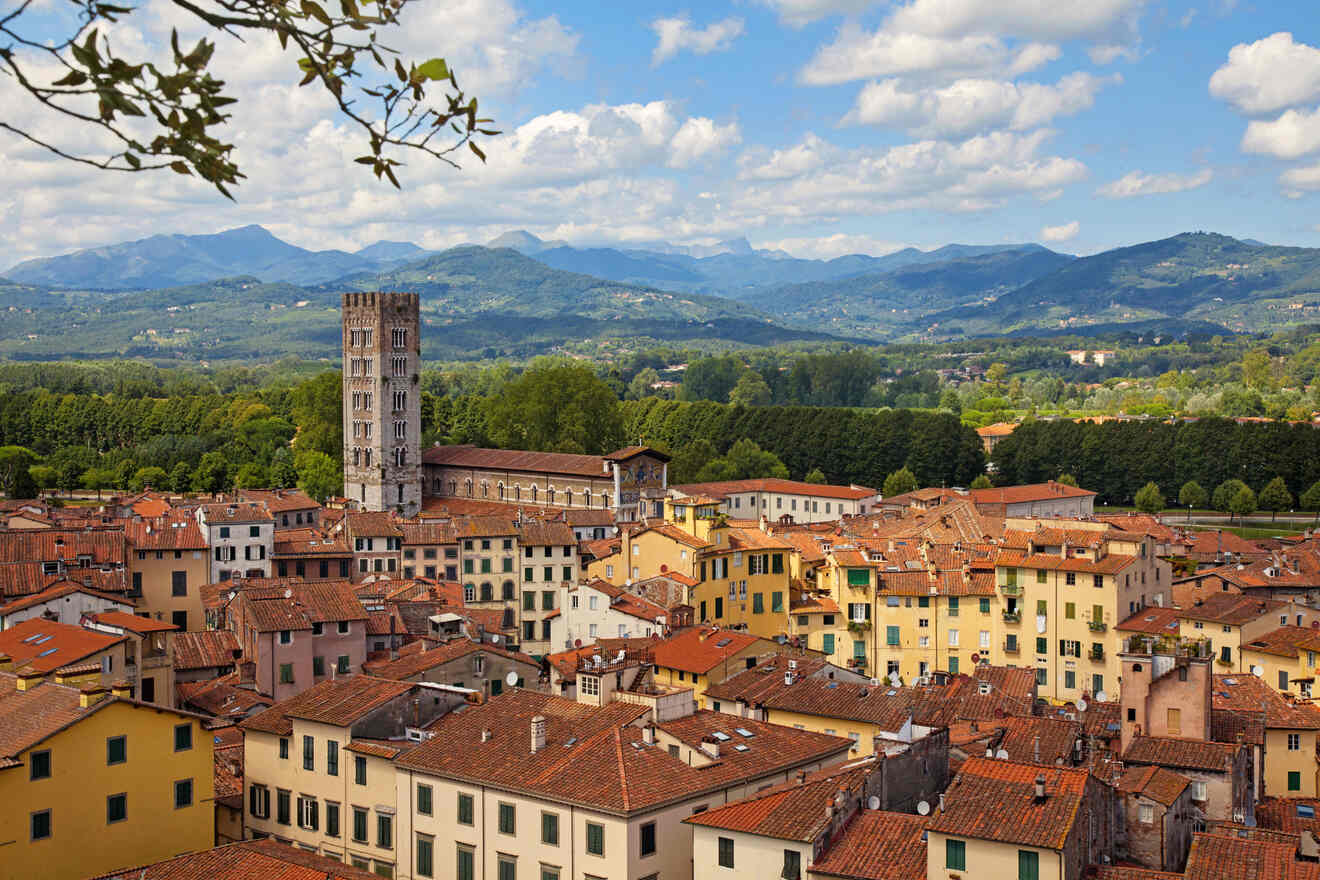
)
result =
(821, 127)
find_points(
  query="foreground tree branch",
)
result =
(173, 116)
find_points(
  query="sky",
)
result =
(818, 127)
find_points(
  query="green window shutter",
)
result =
(827, 644)
(465, 809)
(777, 602)
(465, 868)
(985, 606)
(758, 603)
(1041, 576)
(859, 577)
(1042, 645)
(1010, 576)
(777, 563)
(1294, 780)
(1028, 865)
(953, 665)
(923, 601)
(891, 635)
(1070, 610)
(859, 649)
(955, 855)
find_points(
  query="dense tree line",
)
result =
(1118, 458)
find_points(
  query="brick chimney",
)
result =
(28, 678)
(91, 695)
(538, 733)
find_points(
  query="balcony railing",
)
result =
(1012, 617)
(1098, 626)
(1012, 648)
(1097, 653)
(1011, 590)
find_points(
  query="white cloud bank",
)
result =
(1137, 183)
(1065, 232)
(678, 34)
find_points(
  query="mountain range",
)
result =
(245, 292)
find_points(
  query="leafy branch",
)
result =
(183, 107)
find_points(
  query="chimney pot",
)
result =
(485, 735)
(538, 733)
(1040, 788)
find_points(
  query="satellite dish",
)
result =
(1081, 705)
(894, 679)
(511, 679)
(577, 643)
(494, 639)
(288, 593)
(923, 808)
(1102, 696)
(1002, 754)
(873, 803)
(1258, 671)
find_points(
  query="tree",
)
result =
(154, 477)
(15, 481)
(252, 475)
(319, 476)
(640, 386)
(1310, 499)
(949, 400)
(70, 463)
(97, 479)
(899, 482)
(556, 406)
(815, 475)
(180, 479)
(43, 476)
(689, 461)
(745, 460)
(1275, 497)
(981, 482)
(211, 474)
(1067, 480)
(1224, 494)
(1243, 503)
(751, 390)
(317, 408)
(169, 114)
(1192, 495)
(283, 474)
(1148, 499)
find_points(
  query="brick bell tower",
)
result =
(382, 401)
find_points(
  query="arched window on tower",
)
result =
(604, 499)
(568, 497)
(467, 488)
(550, 495)
(500, 488)
(485, 489)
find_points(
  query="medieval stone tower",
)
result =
(382, 401)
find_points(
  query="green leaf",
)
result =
(476, 149)
(180, 168)
(132, 160)
(435, 69)
(399, 71)
(365, 160)
(314, 10)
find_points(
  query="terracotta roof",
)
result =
(1227, 724)
(173, 532)
(814, 605)
(387, 749)
(1285, 641)
(45, 645)
(268, 609)
(723, 488)
(1108, 564)
(537, 533)
(58, 590)
(133, 623)
(309, 542)
(235, 512)
(1247, 693)
(1230, 857)
(595, 757)
(427, 533)
(221, 697)
(372, 524)
(484, 527)
(1127, 872)
(995, 800)
(204, 649)
(247, 860)
(406, 667)
(628, 452)
(1008, 691)
(998, 429)
(280, 500)
(1234, 609)
(1032, 492)
(701, 648)
(340, 702)
(626, 601)
(1281, 814)
(1160, 785)
(791, 811)
(1186, 754)
(516, 460)
(1039, 740)
(28, 717)
(671, 531)
(877, 845)
(1153, 620)
(105, 546)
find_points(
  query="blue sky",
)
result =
(818, 126)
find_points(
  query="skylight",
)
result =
(740, 748)
(1305, 811)
(48, 652)
(30, 639)
(742, 731)
(723, 643)
(721, 736)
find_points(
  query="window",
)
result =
(953, 638)
(1294, 780)
(178, 583)
(464, 869)
(384, 831)
(183, 793)
(464, 809)
(1199, 791)
(1146, 814)
(507, 868)
(309, 753)
(648, 839)
(550, 829)
(39, 765)
(425, 856)
(891, 635)
(116, 750)
(1028, 864)
(424, 799)
(284, 748)
(331, 819)
(549, 873)
(508, 819)
(307, 813)
(360, 824)
(1070, 610)
(985, 606)
(259, 801)
(726, 852)
(286, 673)
(955, 855)
(359, 769)
(595, 839)
(116, 808)
(282, 807)
(41, 825)
(331, 757)
(342, 665)
(827, 643)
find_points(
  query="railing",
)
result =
(859, 626)
(1012, 617)
(1097, 653)
(1147, 644)
(1012, 648)
(1011, 590)
(1097, 626)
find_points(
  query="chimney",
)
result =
(6, 663)
(538, 733)
(1040, 788)
(648, 734)
(941, 802)
(711, 746)
(1035, 749)
(28, 678)
(91, 695)
(485, 735)
(121, 690)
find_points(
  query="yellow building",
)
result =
(647, 551)
(1285, 658)
(1230, 620)
(700, 656)
(1292, 734)
(1064, 590)
(92, 782)
(168, 564)
(317, 777)
(744, 581)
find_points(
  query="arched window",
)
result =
(568, 497)
(366, 458)
(507, 590)
(604, 499)
(517, 492)
(467, 487)
(357, 457)
(469, 592)
(487, 591)
(586, 498)
(550, 495)
(485, 489)
(500, 488)
(533, 493)
(453, 487)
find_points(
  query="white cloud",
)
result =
(1066, 232)
(801, 12)
(1035, 19)
(700, 138)
(1297, 181)
(795, 161)
(677, 34)
(856, 54)
(1136, 183)
(1293, 134)
(1108, 53)
(827, 247)
(970, 105)
(1268, 75)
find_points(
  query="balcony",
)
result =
(1012, 648)
(1097, 653)
(1011, 590)
(1012, 617)
(859, 626)
(1097, 626)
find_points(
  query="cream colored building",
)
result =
(167, 564)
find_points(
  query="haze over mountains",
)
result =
(244, 291)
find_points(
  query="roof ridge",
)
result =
(623, 770)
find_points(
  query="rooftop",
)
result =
(791, 811)
(204, 649)
(724, 488)
(247, 860)
(701, 648)
(340, 702)
(877, 845)
(1160, 785)
(517, 460)
(45, 645)
(995, 800)
(1025, 494)
(235, 512)
(1247, 693)
(1186, 754)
